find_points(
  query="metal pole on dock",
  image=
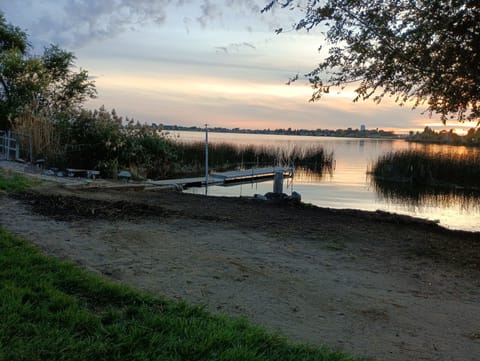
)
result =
(206, 159)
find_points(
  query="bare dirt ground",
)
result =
(373, 284)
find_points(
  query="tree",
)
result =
(11, 39)
(422, 51)
(45, 85)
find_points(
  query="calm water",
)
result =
(349, 186)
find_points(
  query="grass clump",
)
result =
(12, 182)
(51, 310)
(425, 168)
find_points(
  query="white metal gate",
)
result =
(9, 146)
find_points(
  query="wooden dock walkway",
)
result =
(252, 175)
(227, 178)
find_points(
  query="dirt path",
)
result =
(372, 284)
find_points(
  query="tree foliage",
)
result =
(45, 84)
(12, 37)
(102, 140)
(421, 52)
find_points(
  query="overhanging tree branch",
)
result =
(427, 52)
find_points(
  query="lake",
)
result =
(349, 185)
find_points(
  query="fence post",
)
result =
(7, 149)
(3, 145)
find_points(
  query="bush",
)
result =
(98, 140)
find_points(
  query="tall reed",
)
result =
(36, 131)
(428, 168)
(224, 156)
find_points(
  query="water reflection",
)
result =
(312, 174)
(416, 197)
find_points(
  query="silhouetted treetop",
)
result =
(421, 52)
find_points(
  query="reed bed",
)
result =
(35, 132)
(225, 156)
(426, 168)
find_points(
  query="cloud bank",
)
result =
(73, 23)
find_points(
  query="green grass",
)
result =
(52, 310)
(12, 182)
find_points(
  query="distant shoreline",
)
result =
(345, 133)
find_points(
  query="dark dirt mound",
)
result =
(410, 236)
(68, 208)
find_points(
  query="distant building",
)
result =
(362, 127)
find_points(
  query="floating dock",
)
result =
(227, 178)
(251, 175)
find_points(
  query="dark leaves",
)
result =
(422, 52)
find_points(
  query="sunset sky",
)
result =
(191, 62)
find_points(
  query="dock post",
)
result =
(206, 159)
(278, 182)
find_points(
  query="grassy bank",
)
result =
(423, 168)
(12, 182)
(51, 310)
(224, 156)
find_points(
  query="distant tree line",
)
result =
(472, 138)
(349, 132)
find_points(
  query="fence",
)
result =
(15, 146)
